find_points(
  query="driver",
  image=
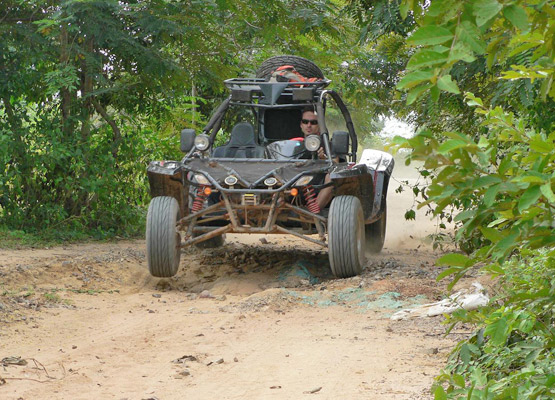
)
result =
(309, 126)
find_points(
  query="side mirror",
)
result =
(340, 143)
(187, 140)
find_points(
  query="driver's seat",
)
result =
(241, 144)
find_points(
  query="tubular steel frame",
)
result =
(189, 223)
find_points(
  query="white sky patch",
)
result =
(395, 127)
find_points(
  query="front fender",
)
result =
(356, 181)
(166, 178)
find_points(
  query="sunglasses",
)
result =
(309, 121)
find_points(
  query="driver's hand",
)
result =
(321, 153)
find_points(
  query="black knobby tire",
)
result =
(305, 67)
(162, 239)
(375, 232)
(346, 236)
(212, 243)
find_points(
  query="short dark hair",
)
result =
(309, 109)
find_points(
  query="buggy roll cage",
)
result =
(260, 94)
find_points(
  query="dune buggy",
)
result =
(266, 177)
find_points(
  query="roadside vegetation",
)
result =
(90, 92)
(484, 70)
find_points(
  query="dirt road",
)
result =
(260, 318)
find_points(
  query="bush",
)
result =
(511, 356)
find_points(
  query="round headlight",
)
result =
(304, 180)
(202, 179)
(270, 181)
(202, 142)
(230, 180)
(312, 142)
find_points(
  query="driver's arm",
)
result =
(322, 155)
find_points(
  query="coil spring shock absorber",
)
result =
(199, 200)
(310, 198)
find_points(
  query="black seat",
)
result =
(241, 144)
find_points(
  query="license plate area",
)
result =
(250, 199)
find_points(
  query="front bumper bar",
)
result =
(196, 231)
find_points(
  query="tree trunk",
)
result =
(86, 89)
(64, 91)
(194, 102)
(117, 134)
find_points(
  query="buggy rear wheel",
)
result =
(162, 239)
(305, 67)
(346, 236)
(375, 232)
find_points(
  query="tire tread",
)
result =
(161, 237)
(305, 67)
(342, 225)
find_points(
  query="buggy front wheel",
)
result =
(346, 236)
(162, 239)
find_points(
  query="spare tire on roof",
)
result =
(305, 67)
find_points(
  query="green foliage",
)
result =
(492, 173)
(511, 354)
(460, 56)
(91, 91)
(498, 185)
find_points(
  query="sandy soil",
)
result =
(260, 318)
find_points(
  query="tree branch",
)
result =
(117, 133)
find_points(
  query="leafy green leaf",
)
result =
(484, 10)
(447, 84)
(498, 331)
(491, 234)
(439, 393)
(504, 245)
(414, 78)
(517, 16)
(541, 145)
(528, 179)
(548, 192)
(425, 58)
(486, 180)
(464, 215)
(491, 193)
(465, 358)
(447, 272)
(450, 145)
(469, 33)
(429, 35)
(415, 92)
(457, 378)
(478, 377)
(472, 100)
(404, 9)
(454, 260)
(494, 269)
(434, 93)
(461, 52)
(529, 198)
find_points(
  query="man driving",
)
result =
(310, 126)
